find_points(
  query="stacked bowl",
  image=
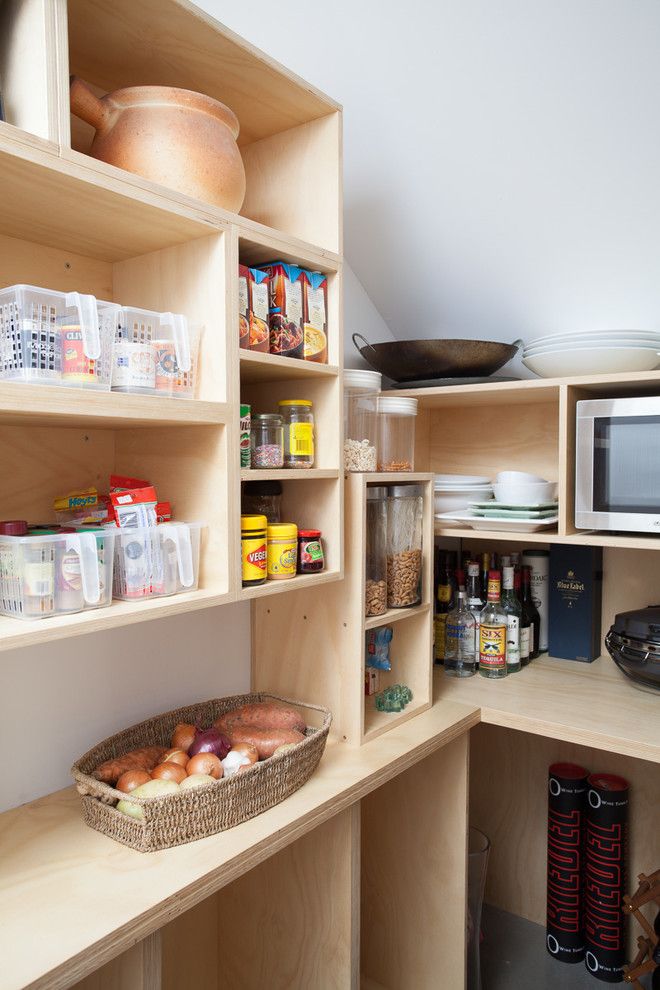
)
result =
(455, 491)
(595, 352)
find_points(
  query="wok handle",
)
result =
(360, 337)
(518, 344)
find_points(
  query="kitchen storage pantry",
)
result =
(368, 861)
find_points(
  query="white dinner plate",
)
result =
(594, 361)
(462, 480)
(587, 335)
(590, 345)
(452, 519)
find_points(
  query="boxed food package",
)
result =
(315, 309)
(286, 311)
(258, 286)
(576, 578)
(243, 306)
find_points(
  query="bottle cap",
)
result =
(282, 531)
(310, 534)
(13, 527)
(250, 523)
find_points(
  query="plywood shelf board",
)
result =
(288, 474)
(394, 615)
(300, 582)
(42, 841)
(376, 722)
(258, 367)
(591, 539)
(588, 704)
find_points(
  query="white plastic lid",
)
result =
(401, 406)
(368, 380)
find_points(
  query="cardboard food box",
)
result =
(315, 310)
(574, 611)
(258, 285)
(243, 306)
(286, 315)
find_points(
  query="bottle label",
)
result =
(254, 559)
(524, 642)
(301, 439)
(444, 592)
(513, 640)
(440, 629)
(492, 646)
(493, 590)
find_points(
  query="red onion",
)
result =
(210, 741)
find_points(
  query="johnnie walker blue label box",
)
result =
(574, 609)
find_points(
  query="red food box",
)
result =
(258, 284)
(286, 311)
(243, 306)
(315, 310)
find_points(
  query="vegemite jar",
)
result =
(254, 555)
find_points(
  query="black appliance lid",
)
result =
(643, 623)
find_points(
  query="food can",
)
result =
(245, 435)
(253, 550)
(133, 366)
(76, 366)
(169, 377)
(282, 550)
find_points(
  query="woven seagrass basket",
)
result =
(194, 814)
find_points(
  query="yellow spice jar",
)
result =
(282, 550)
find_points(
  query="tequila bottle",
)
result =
(492, 632)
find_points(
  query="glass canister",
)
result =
(361, 389)
(396, 433)
(267, 440)
(376, 562)
(298, 419)
(262, 498)
(404, 546)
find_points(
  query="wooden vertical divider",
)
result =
(139, 968)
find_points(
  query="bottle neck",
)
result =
(493, 587)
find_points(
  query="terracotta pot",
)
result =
(184, 140)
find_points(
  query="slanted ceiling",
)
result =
(501, 156)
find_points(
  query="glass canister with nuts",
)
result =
(404, 546)
(376, 563)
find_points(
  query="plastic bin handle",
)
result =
(85, 544)
(88, 317)
(179, 533)
(179, 325)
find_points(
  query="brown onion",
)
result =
(183, 736)
(169, 771)
(131, 779)
(247, 749)
(176, 756)
(205, 763)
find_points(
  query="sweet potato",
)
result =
(265, 740)
(136, 759)
(261, 715)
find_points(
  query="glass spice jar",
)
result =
(310, 551)
(263, 498)
(298, 419)
(267, 441)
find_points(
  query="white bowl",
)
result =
(593, 361)
(525, 494)
(451, 501)
(591, 335)
(574, 345)
(519, 477)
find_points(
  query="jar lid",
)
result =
(405, 491)
(274, 419)
(356, 378)
(378, 491)
(282, 531)
(397, 404)
(295, 402)
(262, 488)
(13, 527)
(310, 534)
(249, 523)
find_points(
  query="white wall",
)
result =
(360, 316)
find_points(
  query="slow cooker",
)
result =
(633, 642)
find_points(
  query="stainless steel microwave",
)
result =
(617, 470)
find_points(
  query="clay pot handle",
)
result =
(85, 104)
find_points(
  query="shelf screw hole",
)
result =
(304, 616)
(67, 265)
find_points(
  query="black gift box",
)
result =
(574, 610)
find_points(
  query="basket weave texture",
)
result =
(193, 814)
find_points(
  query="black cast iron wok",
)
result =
(414, 360)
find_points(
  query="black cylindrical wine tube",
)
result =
(605, 876)
(567, 795)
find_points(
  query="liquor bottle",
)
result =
(526, 630)
(475, 601)
(460, 660)
(443, 606)
(513, 609)
(492, 632)
(505, 561)
(516, 560)
(530, 613)
(485, 568)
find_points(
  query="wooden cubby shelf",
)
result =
(288, 474)
(395, 615)
(257, 367)
(298, 583)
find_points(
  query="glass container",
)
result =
(298, 419)
(376, 563)
(478, 853)
(262, 498)
(311, 559)
(267, 441)
(396, 433)
(361, 390)
(404, 546)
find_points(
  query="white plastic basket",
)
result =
(155, 353)
(157, 560)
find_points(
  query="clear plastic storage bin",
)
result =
(56, 338)
(55, 573)
(155, 353)
(361, 390)
(396, 433)
(156, 560)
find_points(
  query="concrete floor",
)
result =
(514, 957)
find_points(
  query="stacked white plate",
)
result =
(456, 491)
(595, 352)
